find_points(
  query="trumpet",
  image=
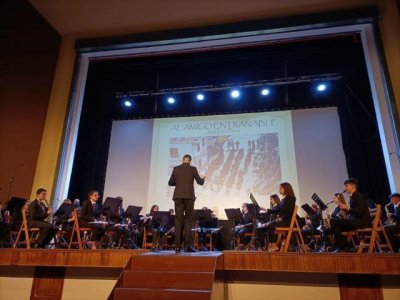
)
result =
(390, 220)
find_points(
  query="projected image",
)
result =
(238, 154)
(232, 163)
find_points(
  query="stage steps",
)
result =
(166, 275)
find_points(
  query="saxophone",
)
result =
(390, 220)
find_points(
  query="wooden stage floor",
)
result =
(338, 263)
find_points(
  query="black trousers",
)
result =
(46, 232)
(269, 231)
(340, 225)
(184, 209)
(391, 231)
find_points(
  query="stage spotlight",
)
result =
(321, 87)
(128, 103)
(235, 94)
(200, 97)
(171, 100)
(265, 92)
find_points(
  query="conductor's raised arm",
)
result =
(197, 177)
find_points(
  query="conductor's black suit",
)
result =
(182, 178)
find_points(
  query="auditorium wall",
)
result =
(92, 284)
(28, 56)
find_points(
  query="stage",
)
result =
(337, 276)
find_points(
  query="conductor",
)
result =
(182, 178)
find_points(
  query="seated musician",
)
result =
(120, 228)
(285, 212)
(393, 226)
(89, 213)
(339, 213)
(38, 212)
(64, 218)
(274, 201)
(358, 215)
(312, 224)
(204, 227)
(245, 225)
(152, 227)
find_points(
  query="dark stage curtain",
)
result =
(362, 143)
(90, 162)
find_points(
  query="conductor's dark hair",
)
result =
(187, 156)
(41, 190)
(352, 181)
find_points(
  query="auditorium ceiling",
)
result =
(101, 18)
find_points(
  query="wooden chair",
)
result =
(285, 234)
(208, 241)
(146, 237)
(77, 230)
(369, 238)
(29, 233)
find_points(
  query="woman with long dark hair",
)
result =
(284, 210)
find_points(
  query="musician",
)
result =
(77, 205)
(393, 228)
(151, 226)
(38, 211)
(207, 226)
(339, 213)
(274, 201)
(182, 178)
(63, 216)
(121, 232)
(285, 212)
(358, 215)
(245, 225)
(89, 213)
(312, 222)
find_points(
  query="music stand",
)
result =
(322, 206)
(159, 220)
(65, 210)
(234, 215)
(132, 211)
(203, 216)
(111, 207)
(170, 226)
(254, 202)
(253, 209)
(307, 208)
(15, 204)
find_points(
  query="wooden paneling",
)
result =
(67, 258)
(366, 287)
(311, 262)
(48, 283)
(230, 260)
